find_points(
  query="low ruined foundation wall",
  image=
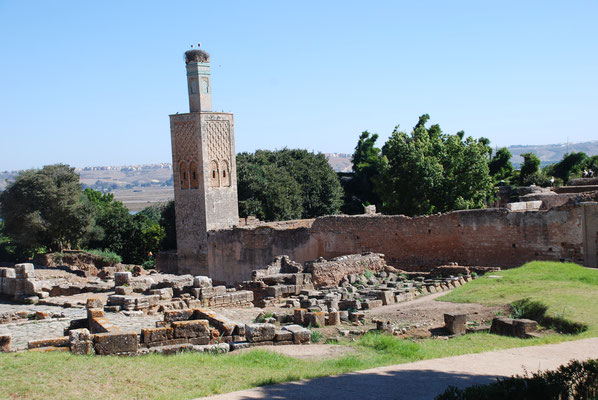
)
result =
(490, 237)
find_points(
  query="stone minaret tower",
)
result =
(204, 169)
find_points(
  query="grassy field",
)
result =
(184, 376)
(569, 290)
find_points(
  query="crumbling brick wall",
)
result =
(491, 237)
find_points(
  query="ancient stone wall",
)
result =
(490, 237)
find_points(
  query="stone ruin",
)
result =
(197, 329)
(319, 293)
(175, 292)
(328, 292)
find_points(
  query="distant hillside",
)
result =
(551, 153)
(547, 153)
(156, 176)
(340, 162)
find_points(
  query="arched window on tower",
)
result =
(194, 175)
(184, 175)
(214, 174)
(225, 171)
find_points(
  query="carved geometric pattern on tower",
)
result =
(186, 145)
(218, 140)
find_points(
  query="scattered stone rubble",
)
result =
(321, 293)
(197, 329)
(174, 292)
(456, 324)
(522, 328)
(21, 285)
(372, 287)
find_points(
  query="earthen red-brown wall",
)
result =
(490, 237)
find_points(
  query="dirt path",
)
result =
(428, 312)
(426, 379)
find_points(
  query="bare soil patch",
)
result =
(426, 313)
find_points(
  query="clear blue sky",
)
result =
(93, 83)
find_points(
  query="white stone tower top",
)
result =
(198, 80)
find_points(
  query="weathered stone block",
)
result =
(62, 341)
(334, 318)
(299, 316)
(150, 335)
(152, 300)
(116, 299)
(523, 327)
(202, 282)
(191, 329)
(122, 278)
(95, 313)
(31, 286)
(282, 335)
(502, 326)
(9, 286)
(116, 343)
(5, 343)
(123, 290)
(260, 332)
(129, 303)
(177, 315)
(455, 323)
(300, 334)
(201, 340)
(164, 293)
(225, 326)
(22, 269)
(387, 297)
(80, 341)
(94, 302)
(316, 319)
(357, 317)
(8, 273)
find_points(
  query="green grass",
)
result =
(569, 290)
(62, 375)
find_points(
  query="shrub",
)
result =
(577, 380)
(527, 308)
(263, 316)
(149, 264)
(316, 336)
(106, 256)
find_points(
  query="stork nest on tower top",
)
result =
(196, 56)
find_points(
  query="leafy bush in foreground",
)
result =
(576, 380)
(527, 308)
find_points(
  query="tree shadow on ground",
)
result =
(404, 384)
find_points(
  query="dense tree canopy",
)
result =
(429, 171)
(286, 184)
(500, 166)
(367, 164)
(570, 166)
(130, 236)
(45, 208)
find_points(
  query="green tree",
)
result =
(429, 172)
(130, 236)
(46, 208)
(367, 164)
(168, 222)
(529, 172)
(500, 166)
(286, 184)
(570, 166)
